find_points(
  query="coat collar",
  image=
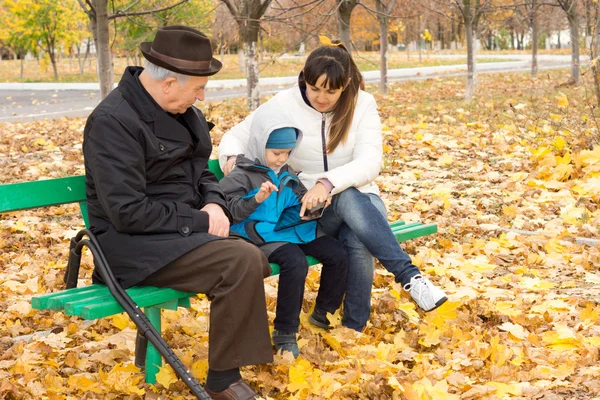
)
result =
(164, 125)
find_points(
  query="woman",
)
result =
(340, 156)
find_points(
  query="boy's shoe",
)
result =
(319, 319)
(286, 342)
(424, 293)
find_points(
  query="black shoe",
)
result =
(319, 319)
(285, 341)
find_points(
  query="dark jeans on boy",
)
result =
(294, 268)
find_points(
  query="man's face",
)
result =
(180, 97)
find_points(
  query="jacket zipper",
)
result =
(324, 143)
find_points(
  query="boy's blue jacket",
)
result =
(255, 221)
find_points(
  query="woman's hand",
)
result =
(265, 191)
(317, 195)
(229, 164)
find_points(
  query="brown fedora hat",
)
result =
(183, 50)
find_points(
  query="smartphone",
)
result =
(291, 216)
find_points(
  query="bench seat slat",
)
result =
(41, 302)
(108, 307)
(403, 235)
(58, 302)
(97, 295)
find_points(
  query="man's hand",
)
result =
(218, 223)
(265, 191)
(229, 164)
(317, 195)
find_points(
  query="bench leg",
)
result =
(153, 358)
(141, 345)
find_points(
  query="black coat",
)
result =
(147, 178)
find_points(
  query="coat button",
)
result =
(185, 230)
(161, 147)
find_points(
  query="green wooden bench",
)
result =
(95, 301)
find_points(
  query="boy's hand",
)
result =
(265, 191)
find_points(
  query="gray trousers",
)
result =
(230, 272)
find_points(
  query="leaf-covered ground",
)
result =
(513, 183)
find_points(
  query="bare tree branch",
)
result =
(122, 13)
(131, 6)
(89, 11)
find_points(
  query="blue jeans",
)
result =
(359, 221)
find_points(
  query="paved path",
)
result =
(33, 101)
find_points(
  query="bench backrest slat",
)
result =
(21, 196)
(51, 192)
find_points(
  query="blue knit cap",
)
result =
(282, 138)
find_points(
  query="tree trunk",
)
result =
(471, 82)
(383, 46)
(512, 39)
(241, 60)
(588, 21)
(22, 65)
(81, 61)
(573, 21)
(419, 38)
(52, 55)
(344, 13)
(407, 44)
(534, 40)
(249, 31)
(453, 37)
(102, 40)
(440, 35)
(594, 50)
(250, 51)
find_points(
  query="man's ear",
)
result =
(168, 84)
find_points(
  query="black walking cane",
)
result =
(139, 318)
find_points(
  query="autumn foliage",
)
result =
(512, 180)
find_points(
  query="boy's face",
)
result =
(276, 158)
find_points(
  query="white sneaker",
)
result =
(424, 293)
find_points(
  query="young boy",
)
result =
(259, 190)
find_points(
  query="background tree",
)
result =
(46, 24)
(13, 35)
(344, 12)
(470, 11)
(130, 31)
(384, 9)
(570, 9)
(247, 14)
(97, 12)
(528, 11)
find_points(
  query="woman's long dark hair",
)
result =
(339, 67)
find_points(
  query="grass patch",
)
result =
(270, 66)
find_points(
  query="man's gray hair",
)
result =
(160, 73)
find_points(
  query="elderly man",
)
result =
(158, 211)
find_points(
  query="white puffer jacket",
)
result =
(356, 163)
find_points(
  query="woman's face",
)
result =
(322, 98)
